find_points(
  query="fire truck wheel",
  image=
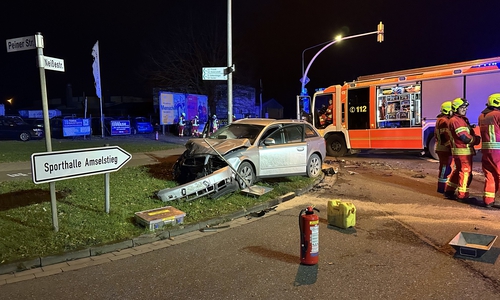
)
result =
(431, 148)
(246, 172)
(313, 166)
(335, 146)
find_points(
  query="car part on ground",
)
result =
(214, 185)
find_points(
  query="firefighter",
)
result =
(443, 145)
(182, 123)
(196, 125)
(462, 140)
(329, 112)
(215, 123)
(489, 126)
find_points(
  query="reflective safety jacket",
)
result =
(489, 125)
(463, 138)
(442, 133)
(182, 121)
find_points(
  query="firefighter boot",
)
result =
(450, 195)
(489, 205)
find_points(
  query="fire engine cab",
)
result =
(398, 110)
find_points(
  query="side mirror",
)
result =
(269, 141)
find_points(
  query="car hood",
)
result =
(200, 146)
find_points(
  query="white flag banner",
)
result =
(96, 69)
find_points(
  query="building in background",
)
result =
(272, 109)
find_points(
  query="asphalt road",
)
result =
(397, 250)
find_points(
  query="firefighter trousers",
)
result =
(490, 161)
(445, 166)
(461, 176)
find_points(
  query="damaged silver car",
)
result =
(254, 149)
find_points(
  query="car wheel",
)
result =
(24, 136)
(335, 145)
(313, 166)
(246, 175)
(431, 148)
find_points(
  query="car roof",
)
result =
(266, 122)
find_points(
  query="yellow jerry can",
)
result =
(341, 214)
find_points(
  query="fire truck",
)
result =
(398, 110)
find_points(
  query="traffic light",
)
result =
(380, 34)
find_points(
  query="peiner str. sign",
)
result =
(21, 43)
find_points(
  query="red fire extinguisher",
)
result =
(309, 236)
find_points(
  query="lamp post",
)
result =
(380, 38)
(312, 47)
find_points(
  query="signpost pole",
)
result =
(106, 188)
(46, 123)
(229, 64)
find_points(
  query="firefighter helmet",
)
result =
(446, 107)
(459, 102)
(494, 100)
(183, 114)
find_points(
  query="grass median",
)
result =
(26, 217)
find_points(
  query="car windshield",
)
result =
(238, 131)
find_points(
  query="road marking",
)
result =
(19, 175)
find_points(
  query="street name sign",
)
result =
(217, 73)
(61, 165)
(54, 64)
(21, 43)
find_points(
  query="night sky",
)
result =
(270, 33)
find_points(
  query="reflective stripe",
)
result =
(451, 184)
(491, 145)
(489, 195)
(491, 133)
(461, 151)
(461, 129)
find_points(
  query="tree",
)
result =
(175, 62)
(187, 42)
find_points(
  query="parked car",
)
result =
(56, 126)
(140, 125)
(17, 129)
(255, 149)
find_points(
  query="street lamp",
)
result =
(10, 101)
(312, 47)
(338, 37)
(380, 38)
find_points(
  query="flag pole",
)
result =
(96, 66)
